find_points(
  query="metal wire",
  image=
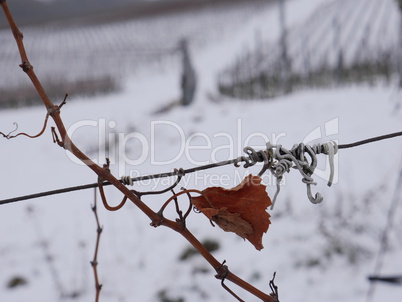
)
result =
(370, 140)
(250, 160)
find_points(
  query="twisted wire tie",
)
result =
(127, 180)
(280, 160)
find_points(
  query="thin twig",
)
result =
(179, 211)
(49, 259)
(160, 212)
(222, 273)
(106, 204)
(190, 206)
(94, 262)
(9, 136)
(230, 291)
(274, 288)
(396, 198)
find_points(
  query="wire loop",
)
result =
(127, 180)
(279, 160)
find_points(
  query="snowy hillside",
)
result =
(342, 42)
(100, 54)
(320, 252)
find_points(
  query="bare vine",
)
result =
(60, 136)
(94, 262)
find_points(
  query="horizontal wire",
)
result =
(94, 185)
(169, 174)
(370, 140)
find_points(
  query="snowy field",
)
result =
(320, 252)
(341, 42)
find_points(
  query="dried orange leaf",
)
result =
(241, 210)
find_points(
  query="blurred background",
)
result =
(340, 43)
(120, 38)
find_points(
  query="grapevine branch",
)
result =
(62, 139)
(94, 262)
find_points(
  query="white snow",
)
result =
(320, 252)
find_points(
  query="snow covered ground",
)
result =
(320, 252)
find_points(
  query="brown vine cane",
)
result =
(63, 140)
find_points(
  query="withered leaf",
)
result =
(241, 210)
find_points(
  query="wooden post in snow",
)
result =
(285, 64)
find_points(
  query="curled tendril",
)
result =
(9, 136)
(12, 131)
